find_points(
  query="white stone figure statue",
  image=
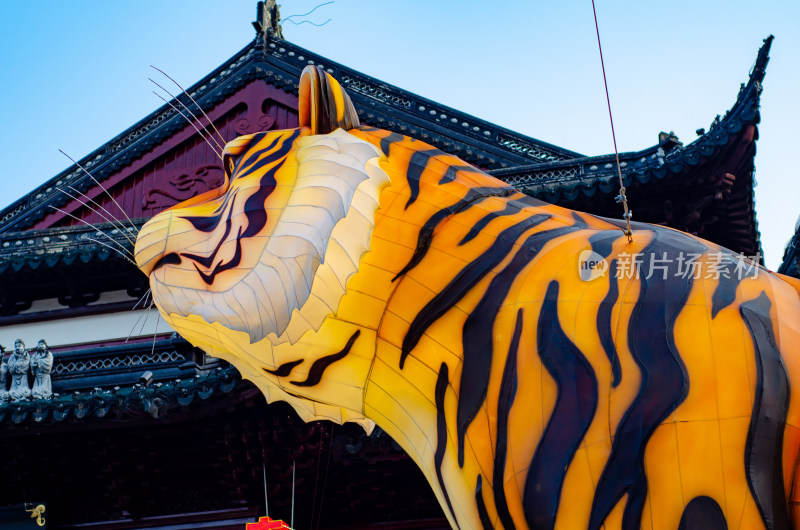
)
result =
(18, 365)
(41, 366)
(3, 376)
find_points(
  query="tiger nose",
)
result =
(151, 243)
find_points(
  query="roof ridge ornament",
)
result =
(267, 23)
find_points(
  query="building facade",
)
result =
(144, 431)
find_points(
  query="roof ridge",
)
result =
(381, 103)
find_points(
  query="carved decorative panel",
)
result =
(181, 166)
(183, 186)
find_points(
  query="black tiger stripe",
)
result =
(254, 205)
(580, 220)
(322, 364)
(326, 112)
(473, 196)
(284, 369)
(452, 171)
(222, 267)
(604, 323)
(253, 160)
(441, 433)
(763, 452)
(602, 242)
(702, 513)
(477, 335)
(416, 165)
(663, 387)
(464, 281)
(387, 141)
(207, 261)
(508, 390)
(527, 200)
(483, 515)
(168, 259)
(253, 208)
(209, 223)
(244, 153)
(575, 406)
(512, 207)
(731, 274)
(725, 291)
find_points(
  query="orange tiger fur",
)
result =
(460, 315)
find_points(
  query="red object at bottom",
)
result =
(266, 523)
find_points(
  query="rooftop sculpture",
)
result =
(24, 368)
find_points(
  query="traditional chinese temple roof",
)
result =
(279, 63)
(713, 175)
(791, 256)
(705, 187)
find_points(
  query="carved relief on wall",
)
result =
(255, 118)
(263, 122)
(183, 186)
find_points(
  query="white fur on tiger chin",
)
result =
(314, 248)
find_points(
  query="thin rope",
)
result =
(325, 480)
(621, 197)
(316, 480)
(266, 499)
(294, 467)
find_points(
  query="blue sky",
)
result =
(75, 73)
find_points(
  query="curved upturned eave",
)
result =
(791, 255)
(729, 143)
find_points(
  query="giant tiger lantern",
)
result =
(540, 369)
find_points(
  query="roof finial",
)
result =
(268, 17)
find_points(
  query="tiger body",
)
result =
(365, 276)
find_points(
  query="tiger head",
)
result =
(247, 270)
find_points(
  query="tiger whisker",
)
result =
(128, 254)
(192, 114)
(101, 187)
(155, 332)
(146, 316)
(142, 299)
(193, 101)
(115, 250)
(146, 311)
(112, 220)
(190, 122)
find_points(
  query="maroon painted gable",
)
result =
(184, 165)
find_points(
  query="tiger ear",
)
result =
(323, 104)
